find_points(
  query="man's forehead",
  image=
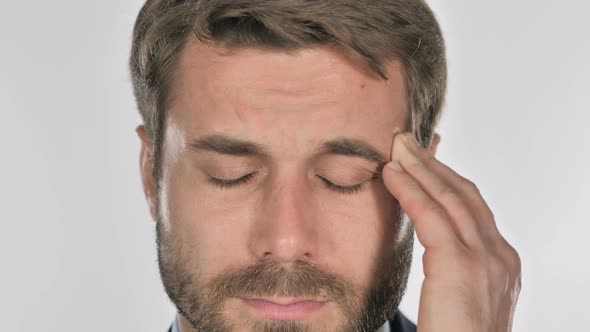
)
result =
(262, 77)
(280, 71)
(299, 98)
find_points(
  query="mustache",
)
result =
(267, 278)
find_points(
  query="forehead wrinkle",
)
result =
(271, 99)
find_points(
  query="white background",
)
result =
(77, 244)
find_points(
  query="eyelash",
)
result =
(231, 183)
(347, 190)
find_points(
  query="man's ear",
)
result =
(146, 164)
(434, 144)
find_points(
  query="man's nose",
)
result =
(284, 230)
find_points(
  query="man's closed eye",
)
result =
(342, 189)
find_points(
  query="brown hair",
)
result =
(370, 32)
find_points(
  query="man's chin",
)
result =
(283, 314)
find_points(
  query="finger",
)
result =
(473, 197)
(439, 190)
(466, 189)
(430, 221)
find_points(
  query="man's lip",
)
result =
(283, 300)
(284, 308)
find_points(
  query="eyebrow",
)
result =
(223, 144)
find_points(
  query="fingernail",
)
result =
(394, 132)
(394, 165)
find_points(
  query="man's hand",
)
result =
(472, 276)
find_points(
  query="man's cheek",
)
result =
(371, 210)
(211, 230)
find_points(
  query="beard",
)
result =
(201, 304)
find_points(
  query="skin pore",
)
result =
(271, 189)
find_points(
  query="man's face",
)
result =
(293, 245)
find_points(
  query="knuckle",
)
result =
(510, 254)
(486, 269)
(447, 192)
(490, 213)
(490, 271)
(470, 186)
(434, 209)
(514, 260)
(449, 196)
